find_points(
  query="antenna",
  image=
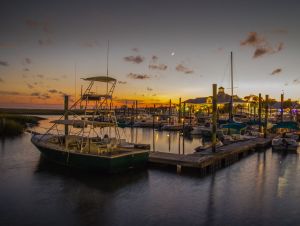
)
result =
(107, 57)
(75, 81)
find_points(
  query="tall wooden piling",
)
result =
(153, 131)
(179, 111)
(231, 97)
(266, 115)
(281, 107)
(214, 118)
(136, 108)
(170, 109)
(184, 110)
(66, 108)
(259, 112)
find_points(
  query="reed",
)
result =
(14, 125)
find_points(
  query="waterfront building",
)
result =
(204, 104)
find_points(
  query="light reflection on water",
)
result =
(261, 189)
(163, 141)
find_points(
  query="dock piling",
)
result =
(214, 118)
(281, 107)
(66, 107)
(259, 111)
(266, 115)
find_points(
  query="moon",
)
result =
(172, 54)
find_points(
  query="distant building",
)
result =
(223, 100)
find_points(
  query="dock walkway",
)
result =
(207, 160)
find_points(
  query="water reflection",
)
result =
(163, 141)
(261, 189)
(210, 209)
(94, 180)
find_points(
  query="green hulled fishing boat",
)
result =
(91, 141)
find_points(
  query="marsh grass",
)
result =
(14, 125)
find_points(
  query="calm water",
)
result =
(262, 189)
(163, 141)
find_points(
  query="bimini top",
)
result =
(82, 123)
(100, 79)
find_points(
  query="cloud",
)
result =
(279, 31)
(154, 65)
(63, 93)
(122, 82)
(261, 45)
(52, 91)
(38, 25)
(135, 50)
(181, 68)
(30, 86)
(26, 69)
(280, 46)
(40, 76)
(259, 52)
(138, 76)
(44, 96)
(53, 79)
(154, 58)
(1, 80)
(149, 89)
(90, 44)
(7, 46)
(276, 71)
(45, 42)
(134, 59)
(35, 94)
(64, 76)
(161, 67)
(32, 23)
(39, 95)
(3, 63)
(10, 93)
(296, 81)
(253, 40)
(27, 60)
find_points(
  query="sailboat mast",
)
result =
(75, 82)
(231, 77)
(107, 57)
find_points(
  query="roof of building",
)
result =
(222, 98)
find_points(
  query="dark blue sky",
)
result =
(160, 49)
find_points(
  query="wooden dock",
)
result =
(207, 161)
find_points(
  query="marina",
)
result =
(149, 113)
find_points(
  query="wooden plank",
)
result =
(206, 158)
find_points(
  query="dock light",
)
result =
(157, 118)
(168, 135)
(182, 120)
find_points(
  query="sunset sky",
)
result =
(158, 49)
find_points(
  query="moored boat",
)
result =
(91, 141)
(284, 144)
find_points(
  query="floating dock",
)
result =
(207, 161)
